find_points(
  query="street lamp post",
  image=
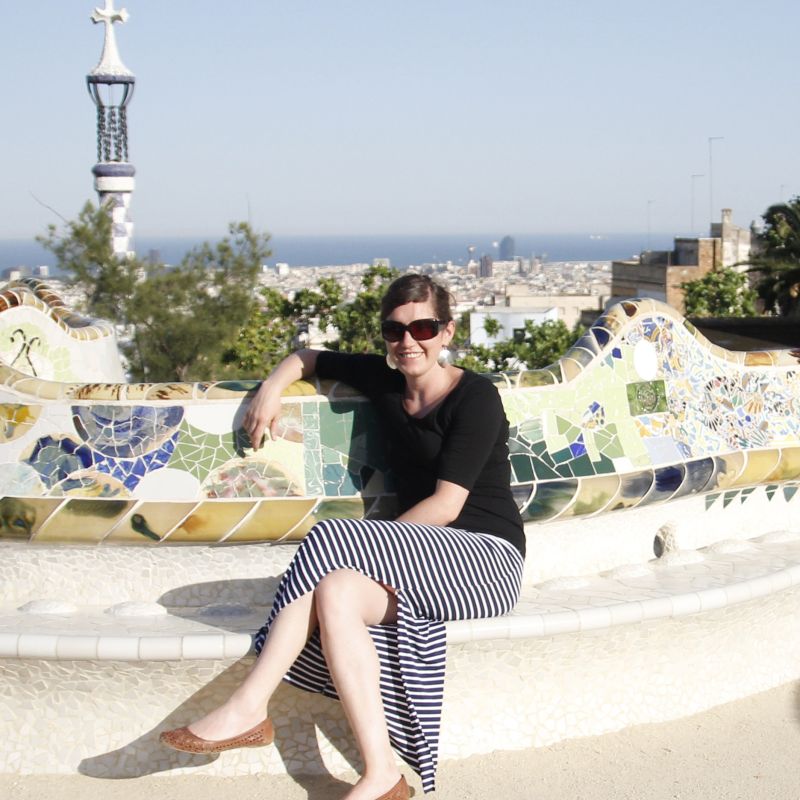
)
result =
(711, 140)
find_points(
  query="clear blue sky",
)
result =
(409, 116)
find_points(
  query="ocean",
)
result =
(403, 251)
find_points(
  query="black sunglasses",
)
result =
(420, 329)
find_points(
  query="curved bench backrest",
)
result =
(642, 409)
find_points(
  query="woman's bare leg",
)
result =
(346, 603)
(246, 707)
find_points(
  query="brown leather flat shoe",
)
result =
(399, 791)
(187, 742)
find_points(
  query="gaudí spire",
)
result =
(111, 86)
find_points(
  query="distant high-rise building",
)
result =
(111, 85)
(485, 267)
(507, 248)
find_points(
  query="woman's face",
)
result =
(416, 358)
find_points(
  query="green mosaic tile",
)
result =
(198, 452)
(603, 465)
(565, 470)
(543, 471)
(539, 449)
(582, 467)
(770, 492)
(522, 467)
(711, 499)
(647, 397)
(562, 456)
(562, 425)
(613, 449)
(747, 492)
(789, 492)
(728, 498)
(336, 428)
(330, 456)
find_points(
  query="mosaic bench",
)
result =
(657, 475)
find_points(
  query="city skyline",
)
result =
(422, 118)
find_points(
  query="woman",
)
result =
(372, 595)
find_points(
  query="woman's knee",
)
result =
(346, 594)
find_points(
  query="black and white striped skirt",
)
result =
(438, 574)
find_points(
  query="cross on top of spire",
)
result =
(110, 63)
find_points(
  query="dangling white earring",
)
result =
(390, 362)
(444, 358)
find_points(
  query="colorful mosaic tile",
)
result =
(641, 410)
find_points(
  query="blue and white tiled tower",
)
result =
(111, 85)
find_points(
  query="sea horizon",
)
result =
(402, 250)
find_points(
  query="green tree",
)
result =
(359, 321)
(491, 326)
(540, 345)
(276, 327)
(777, 263)
(181, 322)
(723, 292)
(186, 320)
(85, 253)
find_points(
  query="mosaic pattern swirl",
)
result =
(641, 410)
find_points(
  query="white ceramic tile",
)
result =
(211, 646)
(81, 648)
(625, 613)
(237, 645)
(738, 592)
(655, 607)
(8, 644)
(118, 648)
(159, 648)
(561, 622)
(594, 618)
(761, 586)
(713, 598)
(683, 604)
(36, 645)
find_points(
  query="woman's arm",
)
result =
(265, 407)
(441, 508)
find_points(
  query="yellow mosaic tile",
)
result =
(759, 466)
(211, 521)
(84, 520)
(17, 420)
(788, 467)
(150, 522)
(594, 494)
(23, 517)
(272, 519)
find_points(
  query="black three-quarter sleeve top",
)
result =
(463, 440)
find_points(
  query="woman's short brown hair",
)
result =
(414, 288)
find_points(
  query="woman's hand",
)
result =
(263, 414)
(265, 408)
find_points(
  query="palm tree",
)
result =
(778, 260)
